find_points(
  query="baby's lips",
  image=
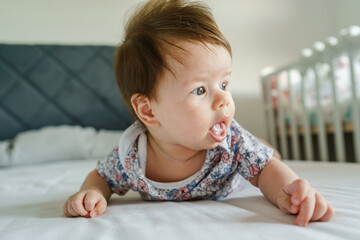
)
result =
(217, 131)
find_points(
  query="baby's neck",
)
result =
(171, 152)
(169, 163)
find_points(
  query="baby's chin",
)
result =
(212, 145)
(206, 146)
(205, 143)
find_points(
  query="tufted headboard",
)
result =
(43, 85)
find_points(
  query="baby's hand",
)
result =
(301, 199)
(86, 203)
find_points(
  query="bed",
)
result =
(60, 114)
(32, 198)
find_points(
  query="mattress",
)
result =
(32, 197)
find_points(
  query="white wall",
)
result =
(261, 32)
(63, 21)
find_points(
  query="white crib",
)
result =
(312, 106)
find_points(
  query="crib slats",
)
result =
(324, 80)
(283, 140)
(339, 135)
(320, 121)
(293, 120)
(351, 41)
(269, 111)
(309, 153)
(355, 110)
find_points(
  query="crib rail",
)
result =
(312, 106)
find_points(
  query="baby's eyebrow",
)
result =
(201, 78)
(228, 73)
(195, 79)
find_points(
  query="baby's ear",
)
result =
(142, 107)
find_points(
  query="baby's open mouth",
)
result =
(218, 132)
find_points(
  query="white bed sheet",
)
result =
(32, 198)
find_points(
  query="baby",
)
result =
(173, 70)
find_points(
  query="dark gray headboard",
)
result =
(43, 85)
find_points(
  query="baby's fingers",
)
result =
(330, 213)
(94, 203)
(306, 210)
(298, 190)
(76, 207)
(321, 207)
(69, 210)
(323, 210)
(285, 204)
(100, 207)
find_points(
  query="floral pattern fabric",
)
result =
(240, 156)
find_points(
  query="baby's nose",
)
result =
(221, 101)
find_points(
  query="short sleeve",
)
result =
(250, 154)
(111, 169)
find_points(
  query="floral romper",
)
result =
(239, 156)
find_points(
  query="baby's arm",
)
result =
(291, 194)
(92, 198)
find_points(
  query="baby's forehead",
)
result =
(190, 59)
(186, 53)
(187, 48)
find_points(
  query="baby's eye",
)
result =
(224, 85)
(199, 91)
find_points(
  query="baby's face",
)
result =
(194, 106)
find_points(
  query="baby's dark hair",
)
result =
(139, 59)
